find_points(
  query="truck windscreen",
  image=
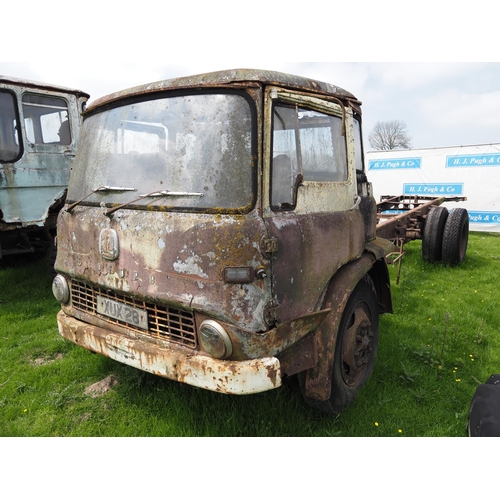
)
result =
(198, 143)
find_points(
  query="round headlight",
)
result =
(60, 289)
(215, 339)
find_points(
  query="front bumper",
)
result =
(229, 377)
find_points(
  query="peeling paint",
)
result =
(36, 163)
(190, 266)
(256, 274)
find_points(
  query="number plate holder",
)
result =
(122, 312)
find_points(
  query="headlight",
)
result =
(60, 289)
(215, 339)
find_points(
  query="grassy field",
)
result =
(440, 343)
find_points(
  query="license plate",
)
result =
(128, 314)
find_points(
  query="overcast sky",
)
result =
(442, 104)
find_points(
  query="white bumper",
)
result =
(229, 377)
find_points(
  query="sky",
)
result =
(110, 48)
(442, 104)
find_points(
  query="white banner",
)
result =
(471, 171)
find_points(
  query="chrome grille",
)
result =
(174, 325)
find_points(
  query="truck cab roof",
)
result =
(21, 82)
(228, 78)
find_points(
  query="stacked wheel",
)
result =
(445, 236)
(455, 237)
(432, 238)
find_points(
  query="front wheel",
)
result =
(356, 348)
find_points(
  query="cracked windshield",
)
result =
(195, 150)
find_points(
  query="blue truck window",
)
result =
(46, 119)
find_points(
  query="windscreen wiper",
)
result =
(153, 194)
(101, 188)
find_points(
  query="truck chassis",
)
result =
(444, 233)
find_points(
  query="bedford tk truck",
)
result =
(39, 129)
(219, 231)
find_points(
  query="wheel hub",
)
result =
(357, 347)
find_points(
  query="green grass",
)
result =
(440, 343)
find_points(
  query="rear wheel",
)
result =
(456, 237)
(355, 351)
(432, 238)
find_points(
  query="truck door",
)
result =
(36, 151)
(312, 213)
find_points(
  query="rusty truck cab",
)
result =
(39, 129)
(215, 229)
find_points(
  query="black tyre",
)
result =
(432, 238)
(355, 351)
(455, 237)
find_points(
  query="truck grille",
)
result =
(173, 325)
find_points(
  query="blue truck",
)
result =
(39, 131)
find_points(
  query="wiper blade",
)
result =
(101, 188)
(154, 194)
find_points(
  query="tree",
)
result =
(390, 135)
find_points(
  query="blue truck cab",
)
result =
(39, 131)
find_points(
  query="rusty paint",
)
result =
(319, 379)
(172, 257)
(301, 272)
(407, 220)
(302, 356)
(230, 377)
(239, 77)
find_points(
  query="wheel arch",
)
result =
(379, 274)
(318, 380)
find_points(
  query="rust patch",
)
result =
(311, 248)
(408, 222)
(318, 383)
(300, 357)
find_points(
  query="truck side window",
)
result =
(10, 147)
(305, 142)
(285, 159)
(46, 120)
(358, 146)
